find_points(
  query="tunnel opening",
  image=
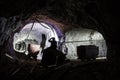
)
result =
(83, 42)
(35, 35)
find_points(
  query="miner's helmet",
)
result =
(52, 39)
(53, 42)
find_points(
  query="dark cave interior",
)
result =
(100, 15)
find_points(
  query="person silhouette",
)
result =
(52, 56)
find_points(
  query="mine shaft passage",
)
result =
(86, 40)
(36, 35)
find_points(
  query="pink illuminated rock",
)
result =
(33, 48)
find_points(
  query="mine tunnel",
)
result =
(85, 35)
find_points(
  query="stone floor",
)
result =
(72, 70)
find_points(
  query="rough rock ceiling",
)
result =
(87, 13)
(73, 10)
